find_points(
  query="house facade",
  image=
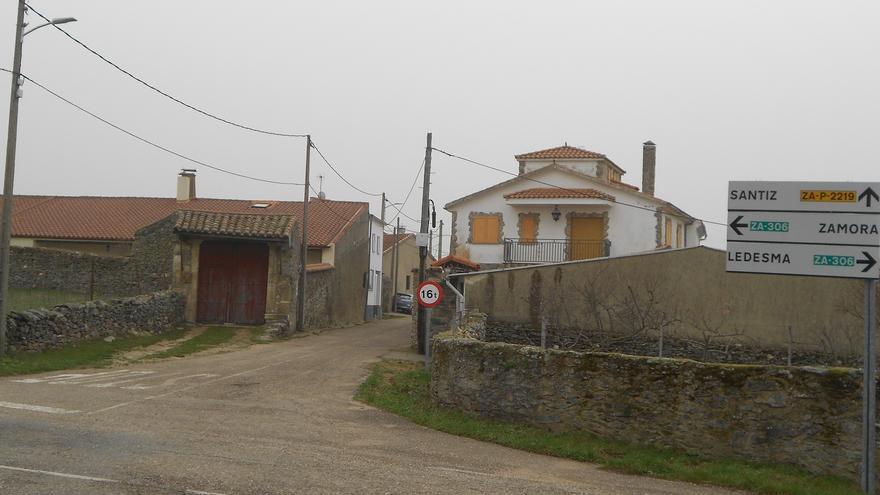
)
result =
(567, 204)
(373, 278)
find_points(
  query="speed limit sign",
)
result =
(429, 294)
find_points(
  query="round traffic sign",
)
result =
(429, 294)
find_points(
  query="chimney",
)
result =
(186, 184)
(649, 165)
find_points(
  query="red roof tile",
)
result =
(553, 193)
(456, 259)
(234, 224)
(119, 218)
(560, 152)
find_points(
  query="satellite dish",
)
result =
(701, 231)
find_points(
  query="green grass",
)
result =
(86, 354)
(402, 388)
(211, 337)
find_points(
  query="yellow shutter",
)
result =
(528, 229)
(669, 232)
(679, 236)
(486, 230)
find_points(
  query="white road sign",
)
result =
(824, 229)
(803, 259)
(859, 197)
(798, 228)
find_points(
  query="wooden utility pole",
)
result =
(423, 250)
(440, 241)
(304, 247)
(6, 227)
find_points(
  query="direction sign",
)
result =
(429, 294)
(803, 259)
(799, 228)
(854, 197)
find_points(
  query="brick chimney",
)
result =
(649, 165)
(186, 185)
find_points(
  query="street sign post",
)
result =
(821, 229)
(429, 294)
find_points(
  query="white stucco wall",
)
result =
(587, 167)
(630, 229)
(374, 294)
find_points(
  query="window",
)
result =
(486, 229)
(528, 228)
(669, 232)
(407, 282)
(679, 236)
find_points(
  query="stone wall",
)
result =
(687, 291)
(810, 417)
(146, 270)
(42, 329)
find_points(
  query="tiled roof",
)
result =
(388, 240)
(234, 224)
(554, 192)
(456, 259)
(119, 218)
(560, 152)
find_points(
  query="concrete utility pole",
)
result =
(304, 246)
(395, 260)
(383, 210)
(8, 178)
(423, 251)
(440, 241)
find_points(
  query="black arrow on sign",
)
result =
(735, 225)
(868, 194)
(870, 261)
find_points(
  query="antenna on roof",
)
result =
(321, 194)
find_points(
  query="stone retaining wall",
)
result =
(810, 417)
(42, 329)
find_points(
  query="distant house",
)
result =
(567, 204)
(408, 253)
(373, 280)
(237, 260)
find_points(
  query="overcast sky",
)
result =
(735, 90)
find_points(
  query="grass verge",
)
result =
(402, 388)
(86, 354)
(211, 337)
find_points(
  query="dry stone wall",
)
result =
(43, 329)
(808, 417)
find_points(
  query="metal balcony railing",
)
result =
(553, 250)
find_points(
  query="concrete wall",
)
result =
(688, 285)
(630, 229)
(42, 329)
(147, 269)
(807, 417)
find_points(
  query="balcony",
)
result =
(553, 250)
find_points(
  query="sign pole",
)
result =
(869, 391)
(427, 338)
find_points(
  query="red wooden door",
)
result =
(232, 283)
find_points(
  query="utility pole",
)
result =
(304, 246)
(9, 177)
(440, 241)
(423, 251)
(395, 260)
(383, 210)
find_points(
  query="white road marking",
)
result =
(463, 471)
(89, 478)
(93, 377)
(131, 377)
(60, 475)
(170, 381)
(49, 378)
(44, 409)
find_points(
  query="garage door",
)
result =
(232, 282)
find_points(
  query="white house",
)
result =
(568, 204)
(373, 277)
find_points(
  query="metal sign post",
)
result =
(429, 294)
(821, 229)
(869, 390)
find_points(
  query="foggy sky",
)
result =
(728, 91)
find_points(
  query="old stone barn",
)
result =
(236, 261)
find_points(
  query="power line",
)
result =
(151, 143)
(157, 90)
(405, 200)
(490, 167)
(356, 188)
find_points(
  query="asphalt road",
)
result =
(275, 418)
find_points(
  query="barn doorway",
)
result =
(232, 282)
